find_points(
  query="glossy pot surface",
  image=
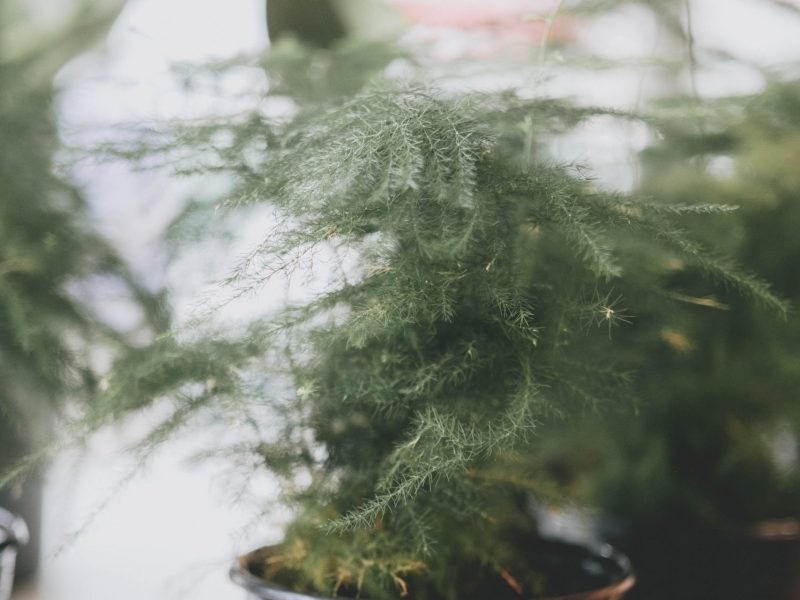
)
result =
(13, 534)
(598, 571)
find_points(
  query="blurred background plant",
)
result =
(709, 465)
(723, 382)
(56, 271)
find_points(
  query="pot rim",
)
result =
(606, 551)
(241, 575)
(612, 591)
(13, 531)
(780, 529)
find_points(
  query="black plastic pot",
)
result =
(579, 572)
(23, 498)
(13, 535)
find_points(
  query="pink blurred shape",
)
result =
(518, 17)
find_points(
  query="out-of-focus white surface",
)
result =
(171, 531)
(130, 79)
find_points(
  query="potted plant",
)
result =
(461, 294)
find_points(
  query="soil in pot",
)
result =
(556, 571)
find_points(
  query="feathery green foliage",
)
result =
(477, 297)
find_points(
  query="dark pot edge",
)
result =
(781, 529)
(241, 575)
(13, 530)
(609, 552)
(611, 591)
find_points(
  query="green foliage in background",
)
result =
(466, 293)
(716, 439)
(48, 248)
